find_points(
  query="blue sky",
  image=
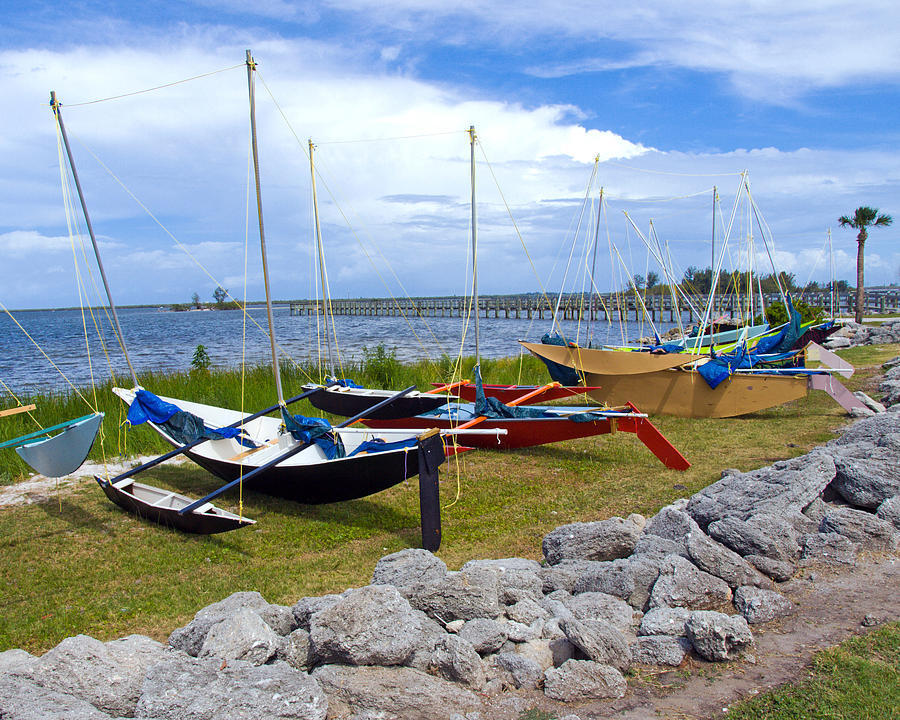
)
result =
(673, 97)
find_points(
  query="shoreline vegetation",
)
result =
(78, 564)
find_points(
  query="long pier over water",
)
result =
(574, 306)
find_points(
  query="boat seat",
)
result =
(162, 502)
(205, 507)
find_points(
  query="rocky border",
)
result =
(422, 641)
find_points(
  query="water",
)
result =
(165, 341)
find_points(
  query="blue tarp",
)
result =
(181, 426)
(378, 445)
(317, 430)
(344, 382)
(560, 373)
(492, 408)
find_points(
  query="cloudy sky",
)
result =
(674, 98)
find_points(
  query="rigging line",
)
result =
(624, 198)
(515, 225)
(153, 89)
(666, 172)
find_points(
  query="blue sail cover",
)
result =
(560, 373)
(181, 426)
(492, 408)
(784, 340)
(314, 430)
(343, 382)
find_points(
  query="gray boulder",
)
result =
(829, 548)
(517, 670)
(716, 636)
(760, 534)
(598, 606)
(861, 527)
(602, 540)
(629, 579)
(761, 606)
(454, 658)
(867, 430)
(16, 660)
(527, 611)
(673, 524)
(190, 637)
(778, 570)
(485, 635)
(659, 650)
(22, 699)
(372, 625)
(867, 474)
(580, 680)
(681, 584)
(716, 559)
(665, 621)
(408, 567)
(395, 692)
(565, 574)
(462, 595)
(517, 578)
(296, 650)
(889, 511)
(243, 636)
(106, 675)
(658, 547)
(785, 485)
(599, 641)
(306, 607)
(187, 687)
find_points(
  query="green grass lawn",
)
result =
(78, 564)
(856, 680)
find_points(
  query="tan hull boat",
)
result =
(685, 393)
(604, 363)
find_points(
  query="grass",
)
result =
(78, 564)
(856, 680)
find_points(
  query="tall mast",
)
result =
(87, 219)
(593, 268)
(321, 253)
(472, 137)
(251, 68)
(713, 275)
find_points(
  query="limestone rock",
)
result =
(455, 659)
(867, 474)
(187, 687)
(778, 570)
(601, 540)
(598, 606)
(629, 579)
(22, 699)
(306, 607)
(526, 611)
(716, 636)
(861, 527)
(408, 567)
(485, 635)
(297, 651)
(761, 606)
(600, 641)
(760, 534)
(830, 548)
(372, 625)
(681, 584)
(580, 680)
(392, 692)
(243, 636)
(659, 650)
(665, 621)
(716, 559)
(889, 511)
(190, 637)
(462, 595)
(517, 669)
(517, 578)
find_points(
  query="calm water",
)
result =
(162, 340)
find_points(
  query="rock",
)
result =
(580, 680)
(22, 699)
(190, 637)
(409, 567)
(867, 475)
(716, 636)
(517, 578)
(541, 650)
(761, 606)
(187, 687)
(681, 584)
(629, 579)
(787, 484)
(778, 570)
(716, 559)
(600, 641)
(867, 430)
(485, 635)
(455, 659)
(16, 661)
(828, 548)
(463, 595)
(659, 650)
(602, 540)
(398, 692)
(243, 636)
(861, 527)
(873, 405)
(526, 611)
(599, 606)
(106, 675)
(373, 625)
(658, 547)
(835, 343)
(297, 651)
(306, 607)
(665, 621)
(889, 511)
(672, 524)
(760, 534)
(520, 632)
(517, 669)
(860, 412)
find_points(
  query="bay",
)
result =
(161, 340)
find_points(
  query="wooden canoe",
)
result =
(603, 363)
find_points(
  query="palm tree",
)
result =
(863, 218)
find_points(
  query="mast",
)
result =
(833, 292)
(713, 275)
(321, 253)
(251, 67)
(472, 137)
(593, 268)
(87, 219)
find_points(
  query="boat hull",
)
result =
(508, 393)
(599, 364)
(347, 402)
(684, 393)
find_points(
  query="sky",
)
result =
(788, 109)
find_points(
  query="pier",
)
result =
(574, 306)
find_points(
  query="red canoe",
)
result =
(508, 393)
